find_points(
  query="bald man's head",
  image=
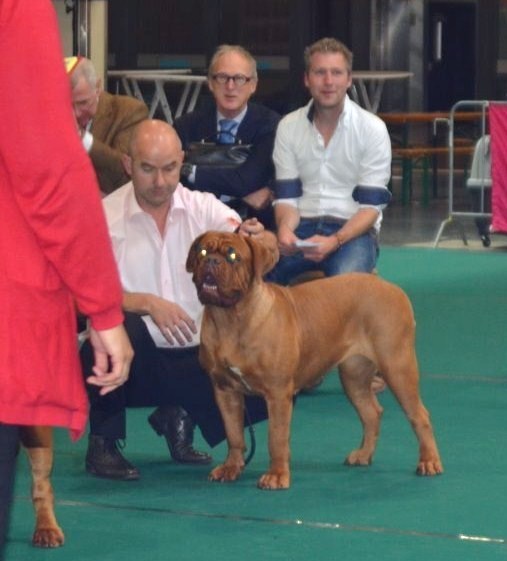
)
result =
(153, 131)
(154, 163)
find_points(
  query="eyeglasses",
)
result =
(238, 79)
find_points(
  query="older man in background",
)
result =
(234, 119)
(105, 122)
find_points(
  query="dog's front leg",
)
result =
(38, 442)
(232, 408)
(280, 414)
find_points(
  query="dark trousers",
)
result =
(159, 377)
(9, 446)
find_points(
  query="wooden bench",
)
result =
(408, 117)
(422, 156)
(411, 156)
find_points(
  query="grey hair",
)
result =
(86, 70)
(224, 49)
(328, 45)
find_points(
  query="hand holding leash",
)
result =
(251, 227)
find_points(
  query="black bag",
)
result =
(210, 155)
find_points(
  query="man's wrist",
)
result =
(339, 239)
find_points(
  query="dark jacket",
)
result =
(257, 128)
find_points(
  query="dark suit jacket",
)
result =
(116, 117)
(257, 128)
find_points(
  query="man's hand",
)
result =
(324, 246)
(286, 241)
(174, 323)
(251, 227)
(113, 355)
(259, 199)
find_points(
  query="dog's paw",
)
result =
(272, 481)
(430, 467)
(225, 473)
(359, 458)
(48, 537)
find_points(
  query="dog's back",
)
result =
(347, 315)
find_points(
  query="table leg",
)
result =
(195, 95)
(162, 99)
(183, 99)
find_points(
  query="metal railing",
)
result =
(454, 215)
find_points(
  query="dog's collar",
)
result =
(240, 376)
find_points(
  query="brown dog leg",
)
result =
(405, 387)
(280, 415)
(356, 374)
(232, 408)
(38, 442)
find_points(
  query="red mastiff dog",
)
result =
(270, 340)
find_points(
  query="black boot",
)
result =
(175, 424)
(104, 459)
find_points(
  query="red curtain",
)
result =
(498, 130)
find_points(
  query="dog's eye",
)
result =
(202, 252)
(231, 255)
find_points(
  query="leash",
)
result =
(251, 430)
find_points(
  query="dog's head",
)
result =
(224, 265)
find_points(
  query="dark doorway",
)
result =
(450, 54)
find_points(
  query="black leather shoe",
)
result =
(175, 424)
(104, 459)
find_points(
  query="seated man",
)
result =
(153, 221)
(233, 118)
(333, 163)
(105, 122)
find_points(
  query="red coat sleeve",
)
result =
(52, 219)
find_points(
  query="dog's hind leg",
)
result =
(402, 376)
(38, 442)
(356, 374)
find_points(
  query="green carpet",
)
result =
(459, 304)
(331, 511)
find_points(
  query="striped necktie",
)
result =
(225, 134)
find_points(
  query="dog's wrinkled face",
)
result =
(224, 265)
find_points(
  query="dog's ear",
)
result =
(265, 253)
(192, 254)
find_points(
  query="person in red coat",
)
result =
(55, 253)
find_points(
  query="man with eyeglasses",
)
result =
(105, 122)
(232, 80)
(333, 164)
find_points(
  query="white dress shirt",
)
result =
(358, 153)
(155, 264)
